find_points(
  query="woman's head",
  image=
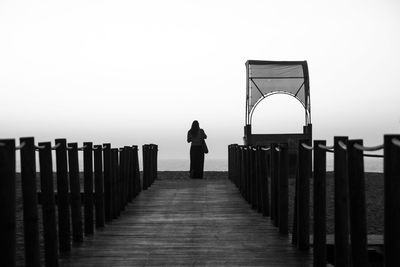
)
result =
(195, 128)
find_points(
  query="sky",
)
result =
(136, 72)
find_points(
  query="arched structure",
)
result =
(265, 78)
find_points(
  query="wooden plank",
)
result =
(179, 222)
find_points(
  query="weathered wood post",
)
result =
(131, 173)
(48, 204)
(392, 200)
(303, 197)
(30, 201)
(283, 189)
(114, 172)
(253, 177)
(88, 187)
(75, 188)
(126, 149)
(274, 184)
(264, 181)
(7, 202)
(358, 214)
(107, 182)
(236, 165)
(155, 162)
(138, 186)
(122, 178)
(259, 186)
(99, 186)
(126, 179)
(119, 181)
(244, 171)
(128, 174)
(319, 200)
(248, 173)
(64, 227)
(342, 255)
(239, 165)
(295, 206)
(145, 166)
(230, 163)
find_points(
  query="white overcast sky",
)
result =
(134, 72)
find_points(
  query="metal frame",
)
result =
(305, 84)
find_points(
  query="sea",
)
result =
(370, 164)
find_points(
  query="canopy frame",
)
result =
(251, 80)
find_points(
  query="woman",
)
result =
(196, 136)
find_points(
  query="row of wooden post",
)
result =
(350, 215)
(251, 167)
(116, 180)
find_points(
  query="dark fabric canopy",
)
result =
(265, 78)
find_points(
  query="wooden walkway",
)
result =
(185, 222)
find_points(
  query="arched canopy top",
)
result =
(265, 78)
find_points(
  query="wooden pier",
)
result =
(181, 222)
(237, 220)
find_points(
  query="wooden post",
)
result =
(283, 189)
(138, 186)
(48, 205)
(358, 214)
(238, 163)
(275, 184)
(264, 181)
(259, 186)
(319, 200)
(272, 174)
(342, 255)
(30, 202)
(144, 163)
(303, 197)
(150, 166)
(7, 203)
(248, 173)
(119, 181)
(114, 184)
(127, 173)
(114, 171)
(122, 178)
(75, 187)
(88, 187)
(155, 162)
(391, 201)
(243, 171)
(64, 227)
(107, 182)
(99, 186)
(235, 165)
(131, 174)
(252, 179)
(295, 206)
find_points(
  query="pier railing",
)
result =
(260, 173)
(111, 179)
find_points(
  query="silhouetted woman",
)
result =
(196, 136)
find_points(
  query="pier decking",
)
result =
(180, 222)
